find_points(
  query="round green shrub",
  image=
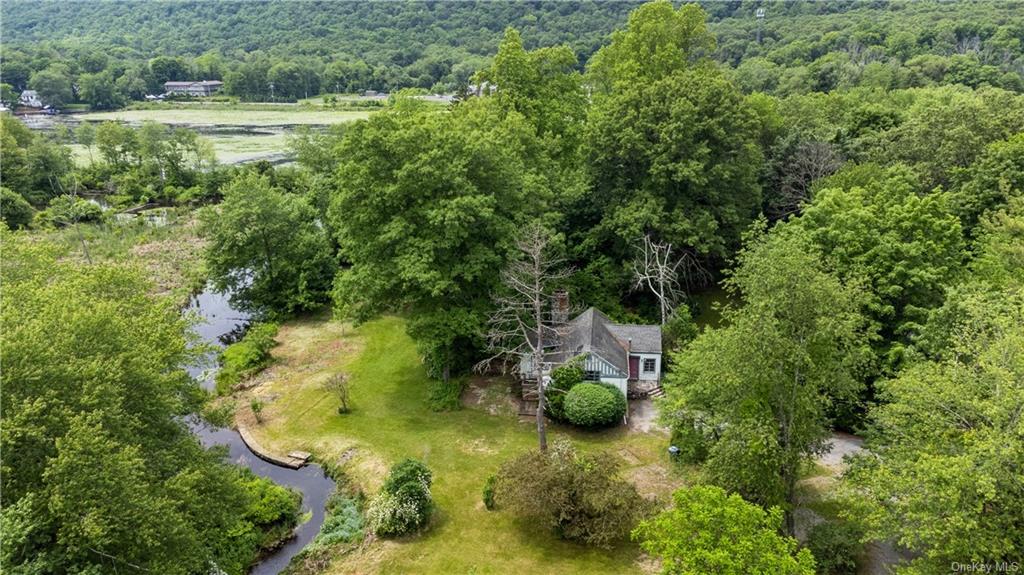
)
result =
(594, 405)
(16, 212)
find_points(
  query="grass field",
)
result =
(391, 420)
(228, 116)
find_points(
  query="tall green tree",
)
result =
(943, 476)
(53, 84)
(100, 473)
(875, 224)
(100, 91)
(757, 392)
(671, 145)
(710, 531)
(266, 248)
(426, 209)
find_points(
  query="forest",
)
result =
(837, 193)
(106, 54)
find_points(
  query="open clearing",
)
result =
(223, 116)
(391, 420)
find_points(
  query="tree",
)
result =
(117, 144)
(523, 325)
(670, 144)
(100, 91)
(266, 248)
(85, 135)
(990, 181)
(942, 476)
(709, 531)
(655, 268)
(578, 495)
(100, 472)
(874, 224)
(427, 206)
(167, 69)
(757, 392)
(53, 84)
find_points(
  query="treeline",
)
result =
(105, 54)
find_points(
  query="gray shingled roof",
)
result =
(592, 331)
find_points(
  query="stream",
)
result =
(219, 319)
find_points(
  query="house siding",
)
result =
(649, 376)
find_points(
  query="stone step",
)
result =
(656, 392)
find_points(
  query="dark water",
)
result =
(219, 322)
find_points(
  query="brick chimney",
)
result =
(560, 307)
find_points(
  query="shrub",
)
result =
(403, 504)
(66, 210)
(711, 531)
(389, 515)
(579, 496)
(835, 547)
(15, 210)
(489, 492)
(247, 357)
(257, 409)
(594, 405)
(447, 396)
(343, 524)
(679, 330)
(563, 379)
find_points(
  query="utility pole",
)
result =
(760, 20)
(271, 91)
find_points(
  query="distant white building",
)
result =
(203, 88)
(30, 98)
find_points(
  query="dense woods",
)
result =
(106, 53)
(852, 174)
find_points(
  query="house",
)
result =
(30, 99)
(627, 356)
(204, 88)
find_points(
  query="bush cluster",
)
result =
(246, 357)
(403, 504)
(67, 210)
(580, 496)
(563, 379)
(835, 547)
(594, 405)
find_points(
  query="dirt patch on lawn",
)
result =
(492, 394)
(654, 480)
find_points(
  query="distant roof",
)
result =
(188, 84)
(592, 331)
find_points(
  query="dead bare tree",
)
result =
(656, 269)
(809, 162)
(522, 325)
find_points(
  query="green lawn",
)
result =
(391, 420)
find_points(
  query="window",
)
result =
(649, 365)
(592, 376)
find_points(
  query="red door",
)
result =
(634, 367)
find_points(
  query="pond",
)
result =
(218, 323)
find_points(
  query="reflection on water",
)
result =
(218, 325)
